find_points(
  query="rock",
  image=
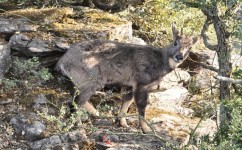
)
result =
(33, 131)
(207, 127)
(54, 140)
(63, 141)
(29, 130)
(237, 60)
(18, 123)
(193, 62)
(5, 59)
(175, 78)
(172, 96)
(202, 78)
(95, 24)
(35, 46)
(11, 25)
(170, 100)
(102, 122)
(39, 100)
(204, 82)
(176, 129)
(136, 40)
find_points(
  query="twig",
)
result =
(210, 67)
(230, 80)
(232, 9)
(207, 23)
(193, 131)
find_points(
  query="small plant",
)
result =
(61, 121)
(25, 75)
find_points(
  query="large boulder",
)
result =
(11, 25)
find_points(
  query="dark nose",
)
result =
(179, 57)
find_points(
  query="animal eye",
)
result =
(175, 43)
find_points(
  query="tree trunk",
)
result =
(223, 50)
(224, 57)
(225, 67)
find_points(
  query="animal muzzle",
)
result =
(178, 58)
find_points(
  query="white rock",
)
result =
(172, 96)
(174, 78)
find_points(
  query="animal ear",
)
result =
(194, 40)
(174, 31)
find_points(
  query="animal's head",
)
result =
(180, 47)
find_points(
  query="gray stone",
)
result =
(114, 138)
(5, 59)
(29, 130)
(54, 140)
(34, 46)
(63, 141)
(40, 99)
(18, 123)
(38, 144)
(204, 82)
(72, 137)
(33, 131)
(11, 25)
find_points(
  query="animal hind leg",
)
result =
(127, 100)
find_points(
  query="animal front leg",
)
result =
(82, 100)
(126, 102)
(89, 107)
(141, 96)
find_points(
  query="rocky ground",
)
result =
(37, 119)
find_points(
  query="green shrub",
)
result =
(25, 75)
(230, 136)
(155, 17)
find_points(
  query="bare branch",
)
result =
(232, 9)
(230, 80)
(210, 67)
(207, 23)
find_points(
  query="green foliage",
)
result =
(63, 123)
(233, 22)
(237, 73)
(8, 84)
(230, 136)
(25, 75)
(155, 17)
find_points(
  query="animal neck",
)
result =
(168, 64)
